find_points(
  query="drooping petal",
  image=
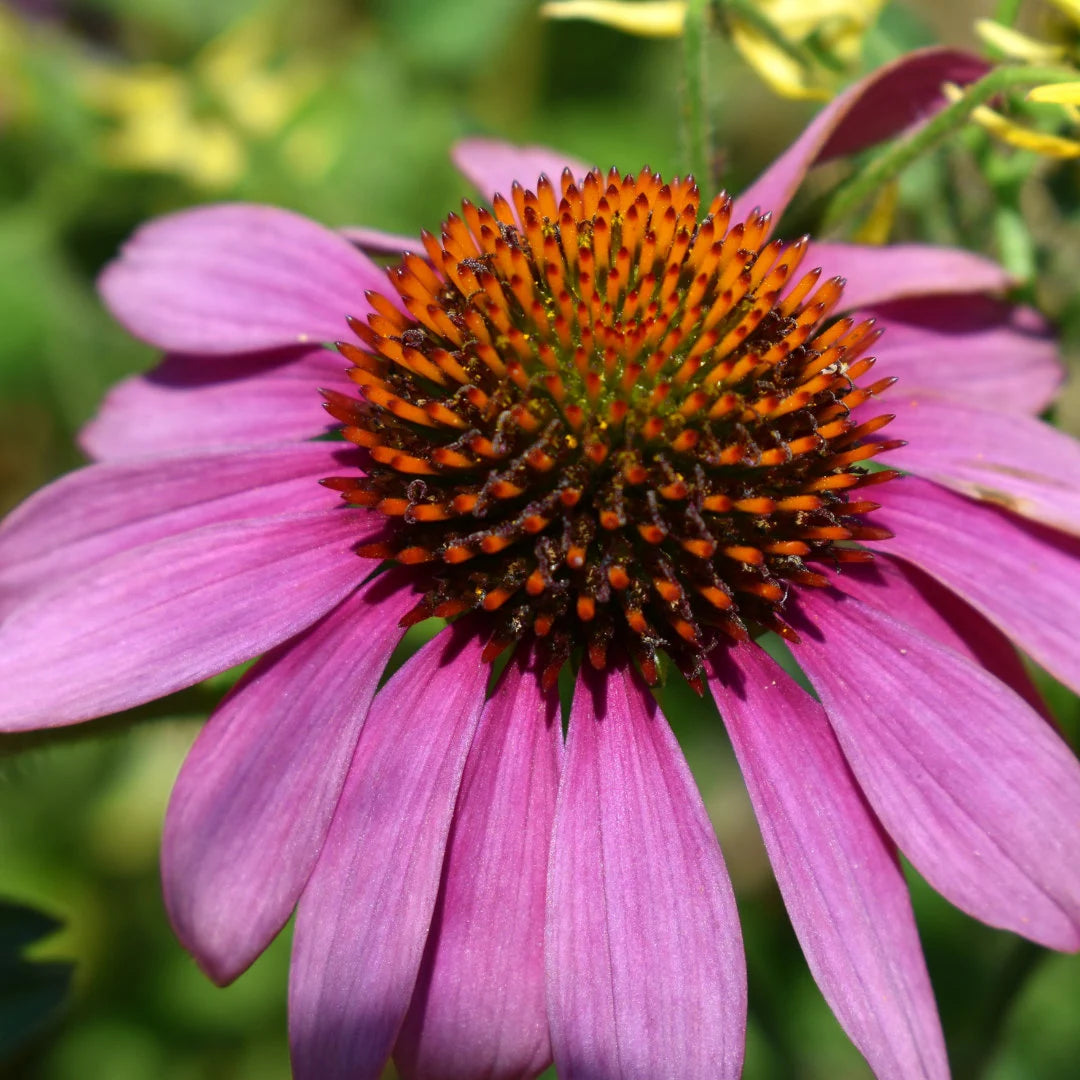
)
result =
(237, 278)
(124, 506)
(1003, 458)
(479, 1005)
(917, 599)
(492, 166)
(380, 243)
(886, 102)
(646, 976)
(365, 914)
(878, 275)
(255, 796)
(837, 870)
(160, 617)
(1023, 577)
(969, 348)
(976, 788)
(197, 403)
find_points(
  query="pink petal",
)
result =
(149, 621)
(365, 913)
(885, 102)
(1024, 578)
(98, 512)
(837, 871)
(492, 166)
(197, 403)
(380, 243)
(976, 788)
(479, 1006)
(236, 278)
(1002, 458)
(876, 275)
(254, 799)
(918, 600)
(645, 965)
(970, 348)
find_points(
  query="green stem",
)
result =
(697, 133)
(899, 156)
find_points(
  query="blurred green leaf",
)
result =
(31, 993)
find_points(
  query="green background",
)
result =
(386, 86)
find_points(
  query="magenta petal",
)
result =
(493, 166)
(160, 617)
(646, 976)
(975, 788)
(365, 914)
(877, 275)
(1024, 578)
(885, 102)
(124, 506)
(1003, 458)
(380, 243)
(236, 278)
(197, 403)
(917, 599)
(479, 1005)
(970, 348)
(254, 799)
(837, 871)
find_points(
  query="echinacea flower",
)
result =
(591, 427)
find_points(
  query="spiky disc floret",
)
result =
(601, 420)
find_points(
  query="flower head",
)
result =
(601, 428)
(610, 423)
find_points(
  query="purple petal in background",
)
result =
(1023, 577)
(974, 786)
(380, 243)
(837, 870)
(646, 976)
(492, 166)
(969, 348)
(364, 916)
(885, 102)
(878, 275)
(236, 278)
(1002, 458)
(198, 403)
(479, 1006)
(256, 794)
(149, 621)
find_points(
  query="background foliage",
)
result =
(113, 111)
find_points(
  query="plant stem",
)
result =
(899, 156)
(697, 134)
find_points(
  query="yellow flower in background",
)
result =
(832, 29)
(1018, 135)
(796, 46)
(646, 18)
(197, 122)
(1012, 44)
(14, 94)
